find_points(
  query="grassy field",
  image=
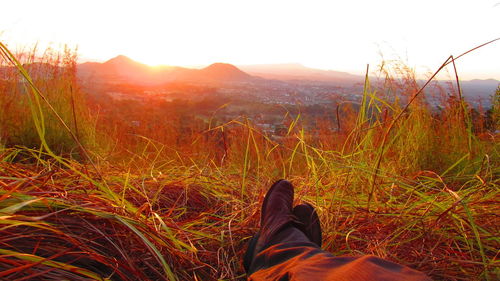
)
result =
(81, 200)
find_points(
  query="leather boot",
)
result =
(276, 213)
(307, 220)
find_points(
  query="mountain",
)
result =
(479, 89)
(217, 72)
(122, 69)
(295, 71)
(125, 70)
(224, 71)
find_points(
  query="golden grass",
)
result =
(396, 181)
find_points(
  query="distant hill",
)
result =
(479, 90)
(224, 71)
(295, 71)
(124, 69)
(472, 90)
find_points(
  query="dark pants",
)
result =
(290, 255)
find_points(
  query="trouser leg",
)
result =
(288, 235)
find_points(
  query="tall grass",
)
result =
(29, 117)
(86, 197)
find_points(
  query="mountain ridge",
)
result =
(122, 68)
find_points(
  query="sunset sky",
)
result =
(338, 35)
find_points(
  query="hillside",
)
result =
(223, 72)
(295, 71)
(124, 69)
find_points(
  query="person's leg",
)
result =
(283, 249)
(307, 221)
(257, 259)
(280, 223)
(276, 214)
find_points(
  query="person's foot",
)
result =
(307, 221)
(276, 213)
(276, 209)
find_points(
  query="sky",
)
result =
(341, 35)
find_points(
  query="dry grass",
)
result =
(199, 224)
(399, 182)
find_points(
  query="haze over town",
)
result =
(342, 36)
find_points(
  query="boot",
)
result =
(276, 214)
(307, 221)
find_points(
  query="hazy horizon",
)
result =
(317, 34)
(282, 66)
